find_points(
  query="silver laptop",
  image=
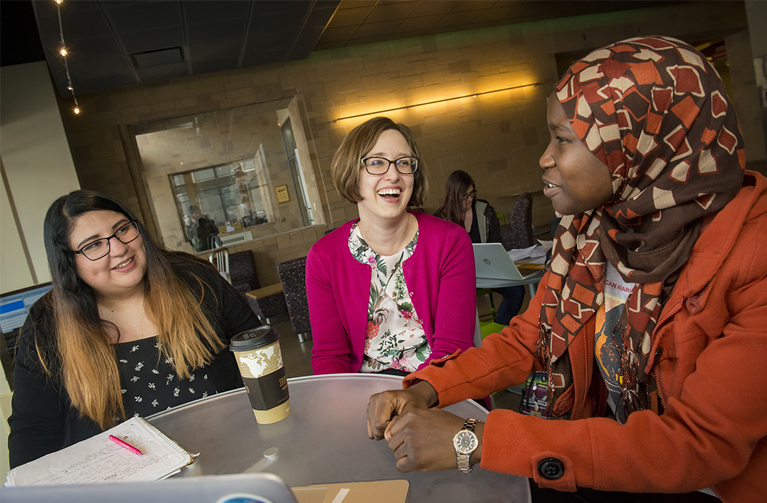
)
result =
(245, 488)
(492, 261)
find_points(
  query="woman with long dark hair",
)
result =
(462, 207)
(127, 329)
(649, 327)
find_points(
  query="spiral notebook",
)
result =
(98, 459)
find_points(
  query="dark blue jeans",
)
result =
(513, 297)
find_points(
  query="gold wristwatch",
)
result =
(465, 442)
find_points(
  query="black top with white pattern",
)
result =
(149, 381)
(43, 418)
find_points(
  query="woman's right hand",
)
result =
(382, 407)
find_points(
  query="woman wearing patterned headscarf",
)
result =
(649, 327)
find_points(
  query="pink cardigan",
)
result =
(440, 276)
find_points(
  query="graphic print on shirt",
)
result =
(395, 337)
(608, 339)
(149, 382)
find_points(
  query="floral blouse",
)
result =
(395, 338)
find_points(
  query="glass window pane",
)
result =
(203, 175)
(228, 166)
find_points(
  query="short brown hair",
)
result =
(345, 166)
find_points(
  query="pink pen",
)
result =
(123, 443)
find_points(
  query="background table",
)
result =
(531, 281)
(323, 440)
(268, 302)
(532, 284)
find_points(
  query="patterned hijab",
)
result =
(657, 114)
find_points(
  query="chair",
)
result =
(481, 292)
(219, 257)
(293, 277)
(243, 272)
(268, 303)
(519, 232)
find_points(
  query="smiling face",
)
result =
(121, 271)
(573, 178)
(386, 196)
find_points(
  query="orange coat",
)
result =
(710, 362)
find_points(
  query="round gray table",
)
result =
(323, 440)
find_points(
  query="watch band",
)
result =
(463, 459)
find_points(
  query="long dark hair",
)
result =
(59, 222)
(456, 186)
(88, 366)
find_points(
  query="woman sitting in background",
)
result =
(127, 330)
(462, 207)
(392, 290)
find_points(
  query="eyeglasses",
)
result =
(100, 248)
(470, 195)
(380, 165)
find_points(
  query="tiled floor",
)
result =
(297, 355)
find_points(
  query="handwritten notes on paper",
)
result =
(99, 460)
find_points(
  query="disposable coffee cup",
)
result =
(258, 356)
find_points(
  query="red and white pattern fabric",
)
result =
(656, 113)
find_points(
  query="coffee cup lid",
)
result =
(253, 338)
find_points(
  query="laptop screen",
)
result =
(245, 488)
(15, 305)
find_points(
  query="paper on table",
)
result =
(375, 491)
(546, 244)
(96, 459)
(520, 253)
(523, 253)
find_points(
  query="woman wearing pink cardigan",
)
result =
(392, 290)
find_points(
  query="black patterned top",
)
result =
(43, 418)
(149, 383)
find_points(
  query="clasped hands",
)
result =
(420, 436)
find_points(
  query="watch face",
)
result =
(465, 442)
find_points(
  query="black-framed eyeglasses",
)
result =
(380, 165)
(100, 248)
(470, 195)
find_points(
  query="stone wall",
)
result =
(496, 137)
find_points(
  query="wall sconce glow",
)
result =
(435, 101)
(63, 52)
(77, 110)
